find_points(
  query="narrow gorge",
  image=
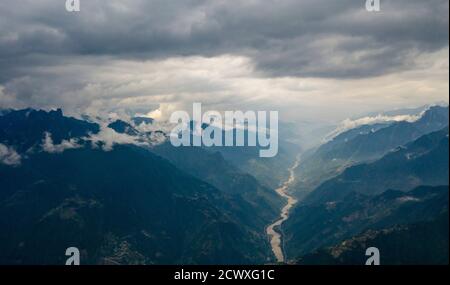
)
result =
(273, 230)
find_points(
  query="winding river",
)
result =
(273, 230)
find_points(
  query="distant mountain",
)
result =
(123, 127)
(123, 206)
(245, 159)
(372, 145)
(351, 134)
(25, 129)
(268, 171)
(424, 243)
(365, 143)
(211, 167)
(4, 111)
(309, 134)
(404, 111)
(123, 194)
(324, 224)
(139, 120)
(352, 207)
(422, 162)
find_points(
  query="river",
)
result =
(273, 230)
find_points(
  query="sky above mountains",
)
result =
(311, 60)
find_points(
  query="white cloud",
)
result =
(157, 138)
(227, 82)
(9, 156)
(109, 137)
(349, 124)
(49, 146)
(163, 126)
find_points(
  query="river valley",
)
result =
(273, 230)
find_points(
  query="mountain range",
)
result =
(392, 195)
(121, 193)
(424, 243)
(129, 204)
(364, 144)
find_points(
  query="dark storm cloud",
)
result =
(285, 38)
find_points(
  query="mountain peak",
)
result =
(123, 127)
(57, 113)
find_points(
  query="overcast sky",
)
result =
(309, 59)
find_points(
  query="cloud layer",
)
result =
(50, 147)
(348, 124)
(142, 55)
(9, 156)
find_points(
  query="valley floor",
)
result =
(273, 230)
